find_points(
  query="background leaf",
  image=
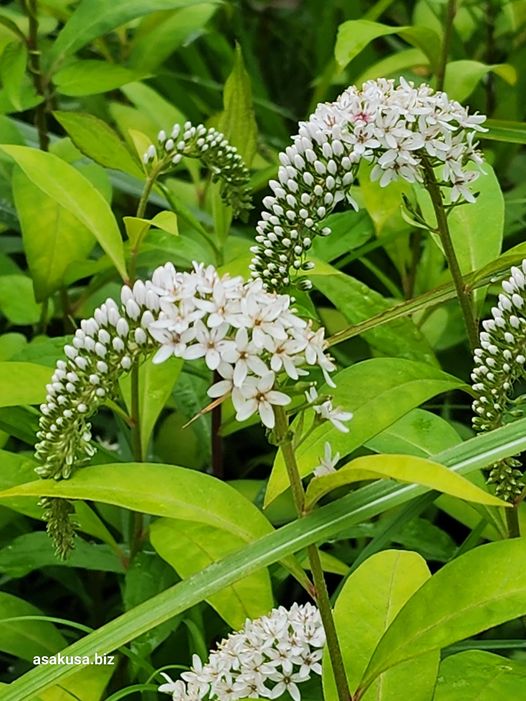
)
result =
(366, 605)
(355, 35)
(53, 237)
(26, 639)
(93, 18)
(191, 547)
(477, 591)
(23, 383)
(475, 674)
(406, 468)
(98, 141)
(69, 188)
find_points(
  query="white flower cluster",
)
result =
(397, 128)
(244, 333)
(499, 363)
(212, 148)
(268, 657)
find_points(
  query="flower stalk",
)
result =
(284, 440)
(464, 296)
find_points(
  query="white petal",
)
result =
(220, 388)
(162, 354)
(249, 407)
(279, 398)
(267, 414)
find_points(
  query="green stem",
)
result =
(451, 11)
(137, 519)
(464, 296)
(284, 440)
(39, 81)
(512, 521)
(141, 210)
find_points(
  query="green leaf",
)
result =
(32, 551)
(316, 527)
(93, 18)
(11, 344)
(480, 589)
(23, 383)
(419, 432)
(358, 303)
(88, 683)
(505, 130)
(350, 230)
(98, 141)
(191, 547)
(238, 122)
(161, 34)
(355, 35)
(13, 63)
(64, 184)
(479, 675)
(146, 576)
(462, 77)
(166, 221)
(156, 112)
(92, 77)
(406, 468)
(170, 491)
(378, 392)
(26, 639)
(53, 237)
(156, 382)
(17, 300)
(367, 604)
(393, 65)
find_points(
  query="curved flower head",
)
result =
(212, 148)
(499, 364)
(395, 128)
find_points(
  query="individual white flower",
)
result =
(327, 463)
(172, 343)
(210, 344)
(245, 357)
(257, 394)
(177, 688)
(335, 415)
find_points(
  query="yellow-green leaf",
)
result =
(69, 188)
(404, 468)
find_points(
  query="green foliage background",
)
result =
(86, 85)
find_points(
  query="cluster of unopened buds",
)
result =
(399, 129)
(500, 362)
(213, 150)
(270, 656)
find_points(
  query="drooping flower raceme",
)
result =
(271, 655)
(499, 363)
(396, 128)
(213, 150)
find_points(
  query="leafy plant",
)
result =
(282, 429)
